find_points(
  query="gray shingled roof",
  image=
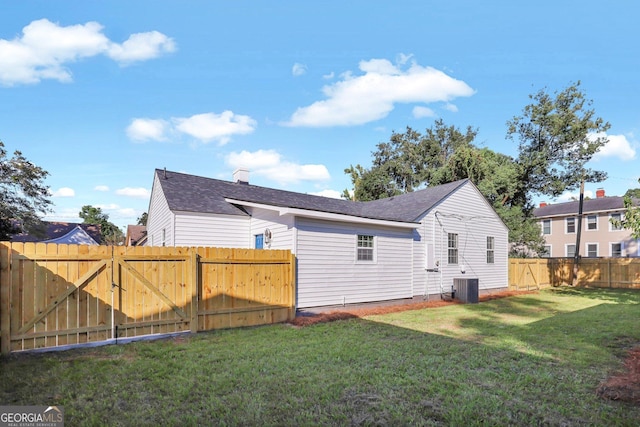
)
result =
(601, 204)
(190, 193)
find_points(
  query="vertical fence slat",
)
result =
(5, 298)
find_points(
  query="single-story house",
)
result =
(407, 246)
(64, 233)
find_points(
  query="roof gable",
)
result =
(190, 193)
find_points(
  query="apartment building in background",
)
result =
(599, 238)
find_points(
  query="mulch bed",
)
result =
(351, 313)
(623, 386)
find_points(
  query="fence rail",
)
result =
(57, 295)
(592, 272)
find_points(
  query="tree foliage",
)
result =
(631, 218)
(23, 195)
(110, 233)
(556, 137)
(142, 219)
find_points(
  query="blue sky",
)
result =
(100, 94)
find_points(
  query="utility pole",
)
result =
(576, 255)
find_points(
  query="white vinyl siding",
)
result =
(223, 231)
(328, 270)
(467, 214)
(281, 228)
(159, 218)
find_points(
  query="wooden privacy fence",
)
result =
(592, 272)
(57, 295)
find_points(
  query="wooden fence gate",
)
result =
(58, 295)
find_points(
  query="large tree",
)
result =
(23, 195)
(557, 135)
(110, 233)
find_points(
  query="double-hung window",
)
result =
(571, 250)
(616, 217)
(616, 250)
(365, 247)
(571, 225)
(592, 250)
(546, 226)
(491, 243)
(592, 222)
(452, 245)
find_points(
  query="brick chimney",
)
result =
(241, 176)
(543, 204)
(599, 193)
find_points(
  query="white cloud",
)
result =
(451, 107)
(139, 192)
(208, 127)
(148, 129)
(269, 163)
(421, 112)
(205, 127)
(573, 196)
(333, 194)
(45, 49)
(618, 146)
(140, 47)
(372, 95)
(298, 69)
(101, 188)
(64, 192)
(329, 76)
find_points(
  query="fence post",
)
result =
(193, 267)
(5, 298)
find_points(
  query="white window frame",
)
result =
(452, 250)
(586, 250)
(365, 244)
(546, 252)
(590, 222)
(619, 216)
(566, 250)
(566, 225)
(491, 250)
(611, 250)
(544, 223)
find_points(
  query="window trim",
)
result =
(546, 253)
(566, 250)
(491, 250)
(620, 216)
(566, 225)
(589, 217)
(452, 251)
(544, 223)
(370, 247)
(586, 249)
(621, 249)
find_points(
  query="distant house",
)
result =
(412, 245)
(64, 233)
(136, 235)
(598, 238)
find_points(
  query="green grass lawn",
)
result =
(527, 360)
